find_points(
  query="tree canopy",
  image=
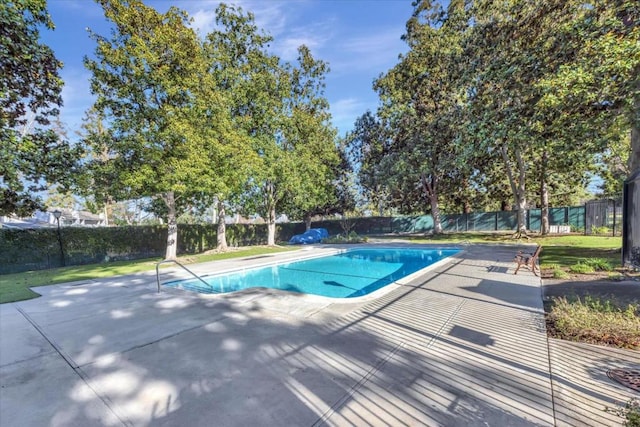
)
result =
(528, 94)
(32, 152)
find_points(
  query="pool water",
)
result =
(348, 274)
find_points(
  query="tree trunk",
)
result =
(270, 208)
(435, 212)
(307, 221)
(430, 187)
(271, 226)
(172, 230)
(544, 196)
(517, 187)
(222, 228)
(544, 212)
(106, 214)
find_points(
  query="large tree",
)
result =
(235, 53)
(367, 145)
(32, 153)
(150, 78)
(511, 50)
(317, 158)
(290, 132)
(422, 101)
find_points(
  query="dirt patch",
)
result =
(599, 284)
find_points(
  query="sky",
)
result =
(359, 39)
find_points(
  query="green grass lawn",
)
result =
(562, 250)
(15, 287)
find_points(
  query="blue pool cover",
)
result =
(349, 274)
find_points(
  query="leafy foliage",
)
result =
(31, 151)
(421, 103)
(499, 100)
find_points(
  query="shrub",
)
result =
(595, 320)
(598, 264)
(581, 268)
(352, 237)
(600, 230)
(630, 412)
(558, 273)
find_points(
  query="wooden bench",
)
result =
(528, 260)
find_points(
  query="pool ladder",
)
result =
(176, 262)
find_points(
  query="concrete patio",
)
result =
(463, 344)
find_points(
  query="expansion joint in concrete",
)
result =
(73, 365)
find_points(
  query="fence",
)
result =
(603, 217)
(631, 225)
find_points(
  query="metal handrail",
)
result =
(176, 262)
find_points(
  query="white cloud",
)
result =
(344, 112)
(204, 21)
(272, 16)
(77, 97)
(287, 48)
(269, 15)
(377, 50)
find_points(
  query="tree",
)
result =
(367, 146)
(235, 53)
(600, 74)
(614, 162)
(290, 134)
(147, 78)
(310, 132)
(97, 180)
(31, 152)
(58, 199)
(512, 50)
(421, 99)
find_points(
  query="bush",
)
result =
(597, 321)
(630, 412)
(352, 237)
(598, 264)
(600, 230)
(581, 268)
(558, 273)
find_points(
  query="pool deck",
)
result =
(464, 344)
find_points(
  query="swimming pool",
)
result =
(348, 274)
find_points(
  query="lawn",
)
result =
(15, 287)
(560, 250)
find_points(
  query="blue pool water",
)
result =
(349, 274)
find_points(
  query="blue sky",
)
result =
(358, 38)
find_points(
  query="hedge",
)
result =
(39, 249)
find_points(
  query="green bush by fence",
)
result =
(38, 249)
